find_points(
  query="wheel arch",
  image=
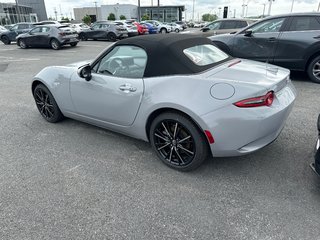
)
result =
(159, 111)
(310, 58)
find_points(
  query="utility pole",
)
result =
(292, 5)
(56, 13)
(270, 4)
(139, 12)
(319, 7)
(264, 8)
(95, 3)
(18, 11)
(193, 11)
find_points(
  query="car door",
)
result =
(260, 42)
(44, 37)
(298, 42)
(211, 29)
(94, 32)
(32, 38)
(114, 93)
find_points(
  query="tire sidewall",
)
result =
(310, 70)
(58, 115)
(201, 147)
(57, 47)
(24, 46)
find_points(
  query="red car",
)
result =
(141, 28)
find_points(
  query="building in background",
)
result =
(161, 13)
(25, 11)
(38, 7)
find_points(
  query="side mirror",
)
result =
(248, 32)
(205, 29)
(85, 72)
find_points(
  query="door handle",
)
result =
(127, 88)
(272, 39)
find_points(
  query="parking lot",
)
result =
(71, 180)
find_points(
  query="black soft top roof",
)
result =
(165, 53)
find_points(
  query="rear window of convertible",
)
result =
(206, 54)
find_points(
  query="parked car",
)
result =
(78, 27)
(105, 30)
(142, 29)
(48, 36)
(175, 27)
(3, 29)
(10, 36)
(221, 104)
(49, 22)
(131, 28)
(316, 165)
(182, 24)
(290, 41)
(223, 26)
(151, 28)
(162, 27)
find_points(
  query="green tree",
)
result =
(112, 17)
(123, 17)
(86, 19)
(145, 17)
(209, 17)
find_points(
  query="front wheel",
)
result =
(46, 104)
(178, 142)
(5, 40)
(177, 30)
(83, 37)
(163, 31)
(73, 44)
(313, 70)
(112, 37)
(22, 43)
(55, 44)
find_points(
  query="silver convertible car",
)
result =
(179, 92)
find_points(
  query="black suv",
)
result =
(291, 41)
(10, 36)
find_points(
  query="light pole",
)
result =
(264, 8)
(270, 4)
(193, 11)
(95, 3)
(18, 11)
(292, 5)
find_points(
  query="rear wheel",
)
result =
(73, 44)
(55, 44)
(163, 30)
(22, 43)
(313, 70)
(83, 37)
(5, 40)
(112, 37)
(178, 142)
(177, 30)
(46, 104)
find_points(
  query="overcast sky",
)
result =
(255, 7)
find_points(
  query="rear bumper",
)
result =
(239, 131)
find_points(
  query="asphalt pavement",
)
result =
(71, 180)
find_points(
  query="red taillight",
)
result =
(62, 33)
(209, 136)
(265, 100)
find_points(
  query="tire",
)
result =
(22, 44)
(54, 43)
(163, 30)
(73, 44)
(112, 37)
(46, 104)
(176, 30)
(177, 141)
(5, 40)
(313, 69)
(83, 37)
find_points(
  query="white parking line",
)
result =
(20, 59)
(85, 45)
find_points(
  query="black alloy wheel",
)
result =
(178, 141)
(313, 70)
(112, 37)
(54, 43)
(83, 37)
(22, 43)
(5, 40)
(46, 104)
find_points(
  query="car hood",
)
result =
(79, 64)
(225, 38)
(252, 72)
(22, 35)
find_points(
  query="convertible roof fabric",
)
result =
(165, 53)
